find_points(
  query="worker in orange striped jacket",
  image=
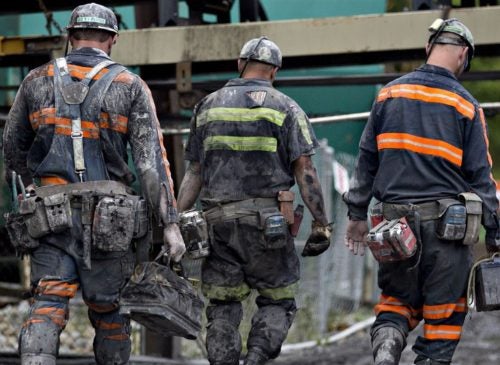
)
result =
(67, 134)
(425, 140)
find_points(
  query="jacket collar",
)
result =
(437, 70)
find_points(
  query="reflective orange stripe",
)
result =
(427, 146)
(58, 288)
(101, 308)
(444, 310)
(79, 72)
(108, 326)
(429, 95)
(394, 305)
(52, 180)
(47, 116)
(442, 332)
(56, 315)
(121, 337)
(31, 321)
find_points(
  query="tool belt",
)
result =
(264, 212)
(458, 219)
(110, 215)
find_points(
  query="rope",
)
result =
(471, 285)
(50, 18)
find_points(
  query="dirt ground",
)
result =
(480, 345)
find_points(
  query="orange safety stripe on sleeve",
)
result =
(108, 326)
(166, 164)
(120, 337)
(429, 95)
(57, 288)
(442, 332)
(427, 146)
(442, 311)
(485, 135)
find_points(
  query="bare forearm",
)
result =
(310, 189)
(190, 187)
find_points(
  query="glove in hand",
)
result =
(173, 241)
(319, 239)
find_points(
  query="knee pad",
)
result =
(40, 332)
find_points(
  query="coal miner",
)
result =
(66, 138)
(247, 146)
(424, 156)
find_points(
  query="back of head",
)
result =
(92, 19)
(261, 50)
(452, 32)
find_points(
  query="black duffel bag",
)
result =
(162, 301)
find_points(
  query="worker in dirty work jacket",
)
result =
(247, 146)
(67, 136)
(424, 156)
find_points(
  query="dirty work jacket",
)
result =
(246, 137)
(38, 144)
(426, 139)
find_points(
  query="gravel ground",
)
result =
(480, 344)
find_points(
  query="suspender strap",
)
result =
(71, 97)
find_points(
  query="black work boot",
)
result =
(387, 345)
(255, 358)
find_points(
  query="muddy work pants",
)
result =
(57, 273)
(431, 286)
(240, 260)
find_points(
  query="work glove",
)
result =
(355, 236)
(492, 241)
(319, 239)
(173, 242)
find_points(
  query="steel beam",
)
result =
(327, 38)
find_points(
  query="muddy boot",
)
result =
(38, 359)
(387, 345)
(255, 357)
(430, 362)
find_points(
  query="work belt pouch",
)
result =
(35, 216)
(392, 240)
(452, 220)
(141, 220)
(474, 207)
(285, 199)
(113, 224)
(58, 210)
(18, 233)
(274, 227)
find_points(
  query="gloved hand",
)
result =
(172, 240)
(355, 236)
(492, 241)
(319, 239)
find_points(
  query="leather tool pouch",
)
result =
(474, 207)
(35, 216)
(18, 233)
(452, 220)
(275, 228)
(58, 210)
(286, 198)
(113, 225)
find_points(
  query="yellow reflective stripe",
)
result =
(304, 128)
(267, 144)
(226, 293)
(287, 292)
(240, 115)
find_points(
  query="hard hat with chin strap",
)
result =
(440, 27)
(262, 50)
(93, 16)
